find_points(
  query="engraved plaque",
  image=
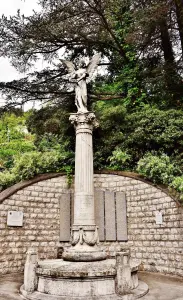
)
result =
(84, 209)
(110, 218)
(121, 217)
(159, 218)
(65, 217)
(99, 212)
(15, 218)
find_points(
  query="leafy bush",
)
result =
(177, 184)
(151, 129)
(18, 146)
(6, 179)
(33, 163)
(49, 142)
(136, 132)
(119, 160)
(12, 127)
(9, 150)
(30, 164)
(159, 169)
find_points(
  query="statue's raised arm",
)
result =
(80, 78)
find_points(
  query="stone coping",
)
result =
(164, 188)
(18, 186)
(65, 269)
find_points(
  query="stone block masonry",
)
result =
(41, 225)
(159, 248)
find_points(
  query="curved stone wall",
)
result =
(158, 247)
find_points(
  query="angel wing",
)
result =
(70, 66)
(93, 65)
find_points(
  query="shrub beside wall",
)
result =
(157, 247)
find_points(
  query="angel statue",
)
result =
(80, 78)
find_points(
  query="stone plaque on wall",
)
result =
(65, 217)
(159, 218)
(15, 218)
(121, 217)
(110, 216)
(99, 212)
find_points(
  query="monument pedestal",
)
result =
(99, 280)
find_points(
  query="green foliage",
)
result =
(14, 138)
(50, 142)
(30, 164)
(151, 129)
(137, 132)
(12, 127)
(159, 169)
(52, 128)
(119, 160)
(7, 179)
(177, 184)
(108, 136)
(69, 171)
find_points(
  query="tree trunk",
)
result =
(170, 67)
(166, 43)
(179, 13)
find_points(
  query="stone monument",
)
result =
(85, 272)
(84, 238)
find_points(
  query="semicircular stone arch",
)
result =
(159, 248)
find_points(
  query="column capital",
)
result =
(87, 118)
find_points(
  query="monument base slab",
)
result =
(139, 292)
(66, 280)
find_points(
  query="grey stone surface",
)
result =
(85, 280)
(76, 280)
(99, 212)
(161, 288)
(110, 216)
(84, 231)
(83, 254)
(121, 217)
(65, 217)
(30, 277)
(61, 268)
(73, 288)
(158, 247)
(124, 282)
(136, 295)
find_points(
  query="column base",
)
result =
(84, 253)
(84, 240)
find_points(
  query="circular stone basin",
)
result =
(65, 280)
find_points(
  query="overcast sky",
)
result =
(10, 7)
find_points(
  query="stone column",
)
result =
(123, 276)
(30, 278)
(84, 236)
(84, 191)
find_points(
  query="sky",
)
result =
(10, 7)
